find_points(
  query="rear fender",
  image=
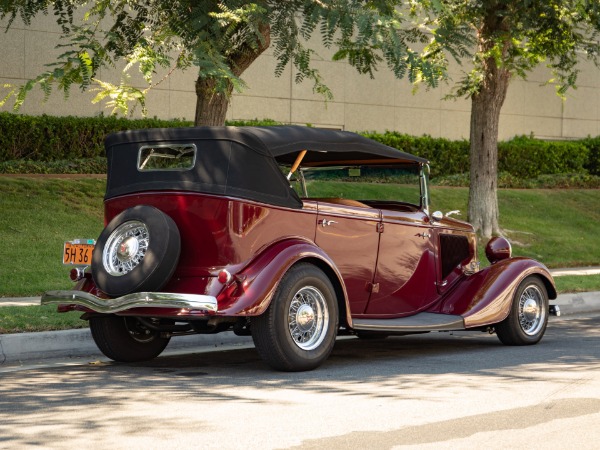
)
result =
(485, 297)
(251, 290)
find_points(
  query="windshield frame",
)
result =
(420, 172)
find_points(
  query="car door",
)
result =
(405, 279)
(348, 232)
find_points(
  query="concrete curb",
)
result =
(27, 347)
(578, 303)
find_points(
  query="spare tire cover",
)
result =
(138, 251)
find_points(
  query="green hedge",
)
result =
(593, 162)
(521, 156)
(74, 166)
(509, 181)
(527, 157)
(28, 141)
(48, 138)
(447, 157)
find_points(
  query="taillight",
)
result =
(224, 277)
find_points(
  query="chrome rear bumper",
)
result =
(136, 300)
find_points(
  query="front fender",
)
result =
(252, 289)
(485, 297)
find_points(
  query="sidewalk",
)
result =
(575, 271)
(27, 347)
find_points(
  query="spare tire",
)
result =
(136, 252)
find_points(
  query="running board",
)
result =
(421, 322)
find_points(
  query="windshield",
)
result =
(363, 183)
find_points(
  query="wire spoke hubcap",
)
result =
(308, 318)
(532, 313)
(125, 248)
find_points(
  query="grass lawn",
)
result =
(573, 283)
(36, 216)
(20, 319)
(557, 227)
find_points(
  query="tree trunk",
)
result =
(211, 104)
(485, 117)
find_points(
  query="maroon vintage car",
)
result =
(287, 234)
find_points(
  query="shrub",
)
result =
(48, 138)
(593, 163)
(253, 123)
(528, 157)
(446, 156)
(509, 181)
(522, 156)
(88, 165)
(28, 141)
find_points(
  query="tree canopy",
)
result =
(518, 35)
(413, 39)
(512, 38)
(222, 38)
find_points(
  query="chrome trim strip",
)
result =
(135, 300)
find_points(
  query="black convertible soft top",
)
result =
(240, 161)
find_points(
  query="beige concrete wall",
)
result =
(359, 103)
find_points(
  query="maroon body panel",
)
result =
(406, 266)
(256, 243)
(252, 289)
(485, 297)
(351, 240)
(219, 232)
(386, 263)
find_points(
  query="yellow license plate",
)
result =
(78, 252)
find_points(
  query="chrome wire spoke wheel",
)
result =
(308, 318)
(298, 329)
(125, 248)
(138, 251)
(531, 310)
(528, 316)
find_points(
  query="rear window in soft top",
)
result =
(167, 157)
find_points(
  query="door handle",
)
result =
(424, 235)
(326, 223)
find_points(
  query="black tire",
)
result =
(125, 339)
(155, 244)
(304, 304)
(526, 323)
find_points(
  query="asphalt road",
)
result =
(440, 390)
